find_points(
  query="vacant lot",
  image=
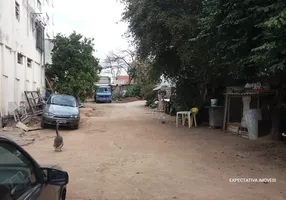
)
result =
(122, 151)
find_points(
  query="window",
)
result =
(103, 90)
(39, 36)
(17, 174)
(62, 100)
(20, 58)
(29, 62)
(39, 5)
(17, 11)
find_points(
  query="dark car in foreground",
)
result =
(21, 177)
(63, 109)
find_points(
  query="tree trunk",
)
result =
(275, 127)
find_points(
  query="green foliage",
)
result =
(148, 94)
(117, 96)
(133, 91)
(151, 105)
(74, 67)
(202, 44)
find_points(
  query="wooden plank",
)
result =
(49, 84)
(258, 101)
(30, 105)
(228, 110)
(33, 98)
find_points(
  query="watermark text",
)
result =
(252, 180)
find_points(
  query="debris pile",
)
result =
(26, 115)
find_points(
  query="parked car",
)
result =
(21, 177)
(103, 94)
(63, 109)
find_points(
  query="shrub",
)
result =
(133, 91)
(148, 94)
(117, 96)
(153, 105)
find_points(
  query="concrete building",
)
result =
(104, 80)
(24, 25)
(122, 80)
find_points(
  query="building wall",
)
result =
(48, 50)
(104, 80)
(21, 63)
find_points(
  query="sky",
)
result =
(99, 19)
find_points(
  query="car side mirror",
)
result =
(80, 105)
(56, 177)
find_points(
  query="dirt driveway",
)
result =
(122, 151)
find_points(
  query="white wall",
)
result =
(18, 36)
(48, 50)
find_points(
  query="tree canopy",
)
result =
(74, 68)
(122, 60)
(200, 43)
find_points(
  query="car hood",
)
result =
(61, 110)
(103, 93)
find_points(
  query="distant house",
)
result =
(103, 80)
(122, 80)
(120, 84)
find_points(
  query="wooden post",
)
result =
(258, 101)
(49, 84)
(228, 111)
(225, 112)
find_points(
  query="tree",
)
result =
(74, 68)
(163, 31)
(122, 60)
(205, 43)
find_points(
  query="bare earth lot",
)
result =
(122, 151)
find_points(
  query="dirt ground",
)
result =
(123, 151)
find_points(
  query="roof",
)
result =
(162, 87)
(250, 93)
(157, 88)
(123, 80)
(103, 85)
(103, 80)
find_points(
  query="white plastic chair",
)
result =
(191, 115)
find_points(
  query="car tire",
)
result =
(63, 195)
(43, 125)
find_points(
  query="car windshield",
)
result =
(63, 101)
(103, 90)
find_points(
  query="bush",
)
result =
(133, 91)
(117, 96)
(148, 94)
(149, 102)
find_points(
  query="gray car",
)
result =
(63, 109)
